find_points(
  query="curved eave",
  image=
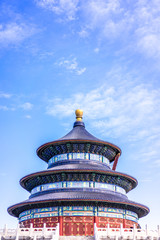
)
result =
(58, 142)
(140, 209)
(49, 172)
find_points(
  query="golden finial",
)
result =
(79, 114)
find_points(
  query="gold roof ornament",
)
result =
(79, 115)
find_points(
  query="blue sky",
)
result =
(102, 56)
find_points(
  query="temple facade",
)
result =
(79, 190)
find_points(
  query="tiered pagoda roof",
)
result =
(74, 158)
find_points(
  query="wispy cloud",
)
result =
(5, 95)
(13, 103)
(13, 33)
(136, 23)
(96, 50)
(4, 108)
(81, 71)
(45, 55)
(26, 106)
(147, 27)
(139, 22)
(83, 33)
(66, 8)
(104, 16)
(28, 116)
(125, 110)
(72, 65)
(139, 19)
(14, 28)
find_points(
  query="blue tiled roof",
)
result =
(99, 197)
(79, 139)
(79, 132)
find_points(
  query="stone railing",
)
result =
(99, 234)
(126, 233)
(30, 233)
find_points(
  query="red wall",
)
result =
(78, 226)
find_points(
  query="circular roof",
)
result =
(78, 140)
(43, 177)
(101, 197)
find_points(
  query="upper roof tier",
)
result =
(78, 140)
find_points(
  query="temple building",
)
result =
(80, 188)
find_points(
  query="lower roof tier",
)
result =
(59, 198)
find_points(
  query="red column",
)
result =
(95, 216)
(115, 162)
(124, 223)
(60, 220)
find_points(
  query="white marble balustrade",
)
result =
(99, 234)
(32, 233)
(126, 233)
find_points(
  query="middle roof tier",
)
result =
(76, 172)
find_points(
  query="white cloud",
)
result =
(125, 111)
(28, 116)
(81, 71)
(26, 106)
(147, 27)
(119, 110)
(107, 18)
(134, 23)
(83, 33)
(14, 103)
(4, 108)
(96, 50)
(5, 95)
(66, 8)
(139, 22)
(13, 33)
(46, 55)
(71, 65)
